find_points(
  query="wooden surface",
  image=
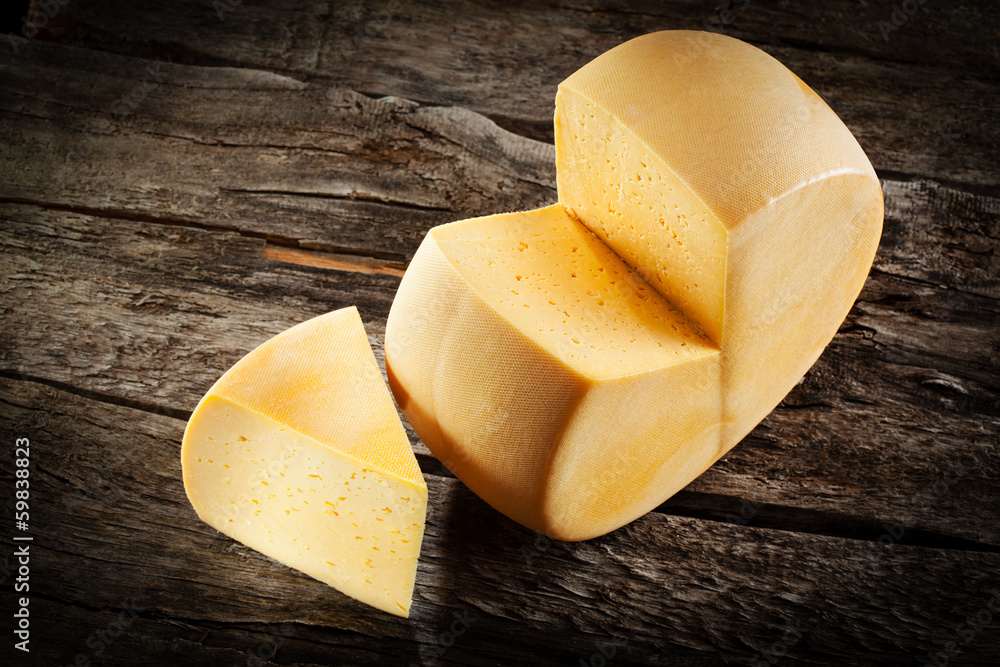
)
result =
(180, 181)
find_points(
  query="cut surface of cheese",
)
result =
(552, 278)
(298, 452)
(547, 347)
(777, 198)
(646, 214)
(737, 198)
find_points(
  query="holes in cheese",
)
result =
(717, 175)
(298, 452)
(644, 212)
(553, 279)
(740, 145)
(528, 356)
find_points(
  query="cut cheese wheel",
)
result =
(298, 452)
(526, 354)
(757, 212)
(577, 365)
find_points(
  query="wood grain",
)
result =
(302, 166)
(659, 588)
(920, 99)
(180, 181)
(153, 314)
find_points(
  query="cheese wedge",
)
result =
(715, 185)
(298, 452)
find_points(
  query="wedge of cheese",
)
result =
(298, 452)
(577, 365)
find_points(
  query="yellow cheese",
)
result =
(515, 333)
(745, 150)
(563, 388)
(298, 452)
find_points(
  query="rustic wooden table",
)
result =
(180, 181)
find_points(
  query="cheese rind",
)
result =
(298, 452)
(727, 126)
(526, 353)
(319, 377)
(736, 126)
(718, 176)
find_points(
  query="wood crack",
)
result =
(741, 511)
(357, 260)
(719, 508)
(803, 44)
(136, 216)
(111, 399)
(225, 144)
(920, 281)
(903, 177)
(806, 45)
(350, 196)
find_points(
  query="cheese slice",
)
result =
(733, 219)
(298, 452)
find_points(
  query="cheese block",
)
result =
(298, 452)
(697, 176)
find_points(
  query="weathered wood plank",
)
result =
(663, 586)
(318, 168)
(160, 637)
(304, 166)
(161, 307)
(153, 314)
(308, 35)
(927, 113)
(941, 236)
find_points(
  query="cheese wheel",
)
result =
(737, 146)
(298, 452)
(697, 177)
(536, 365)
